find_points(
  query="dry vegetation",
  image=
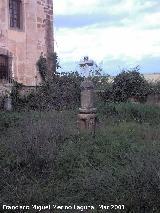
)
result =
(44, 160)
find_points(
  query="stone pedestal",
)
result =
(87, 112)
(8, 103)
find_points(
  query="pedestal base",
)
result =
(8, 104)
(87, 123)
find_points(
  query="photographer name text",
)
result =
(62, 207)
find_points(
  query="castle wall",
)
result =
(25, 45)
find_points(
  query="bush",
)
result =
(130, 84)
(155, 88)
(61, 92)
(58, 92)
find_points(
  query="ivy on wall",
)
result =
(43, 65)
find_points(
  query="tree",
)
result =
(128, 84)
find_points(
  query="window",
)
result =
(15, 13)
(4, 71)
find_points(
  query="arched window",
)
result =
(15, 13)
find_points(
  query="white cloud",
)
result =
(71, 7)
(115, 42)
(138, 38)
(131, 6)
(152, 19)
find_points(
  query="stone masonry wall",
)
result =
(25, 45)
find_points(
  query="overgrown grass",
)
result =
(45, 160)
(140, 113)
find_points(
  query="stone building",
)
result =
(26, 30)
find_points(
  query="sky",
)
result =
(116, 34)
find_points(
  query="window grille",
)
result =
(4, 71)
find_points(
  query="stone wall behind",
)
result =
(25, 45)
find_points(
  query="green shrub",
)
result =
(128, 84)
(59, 92)
(155, 88)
